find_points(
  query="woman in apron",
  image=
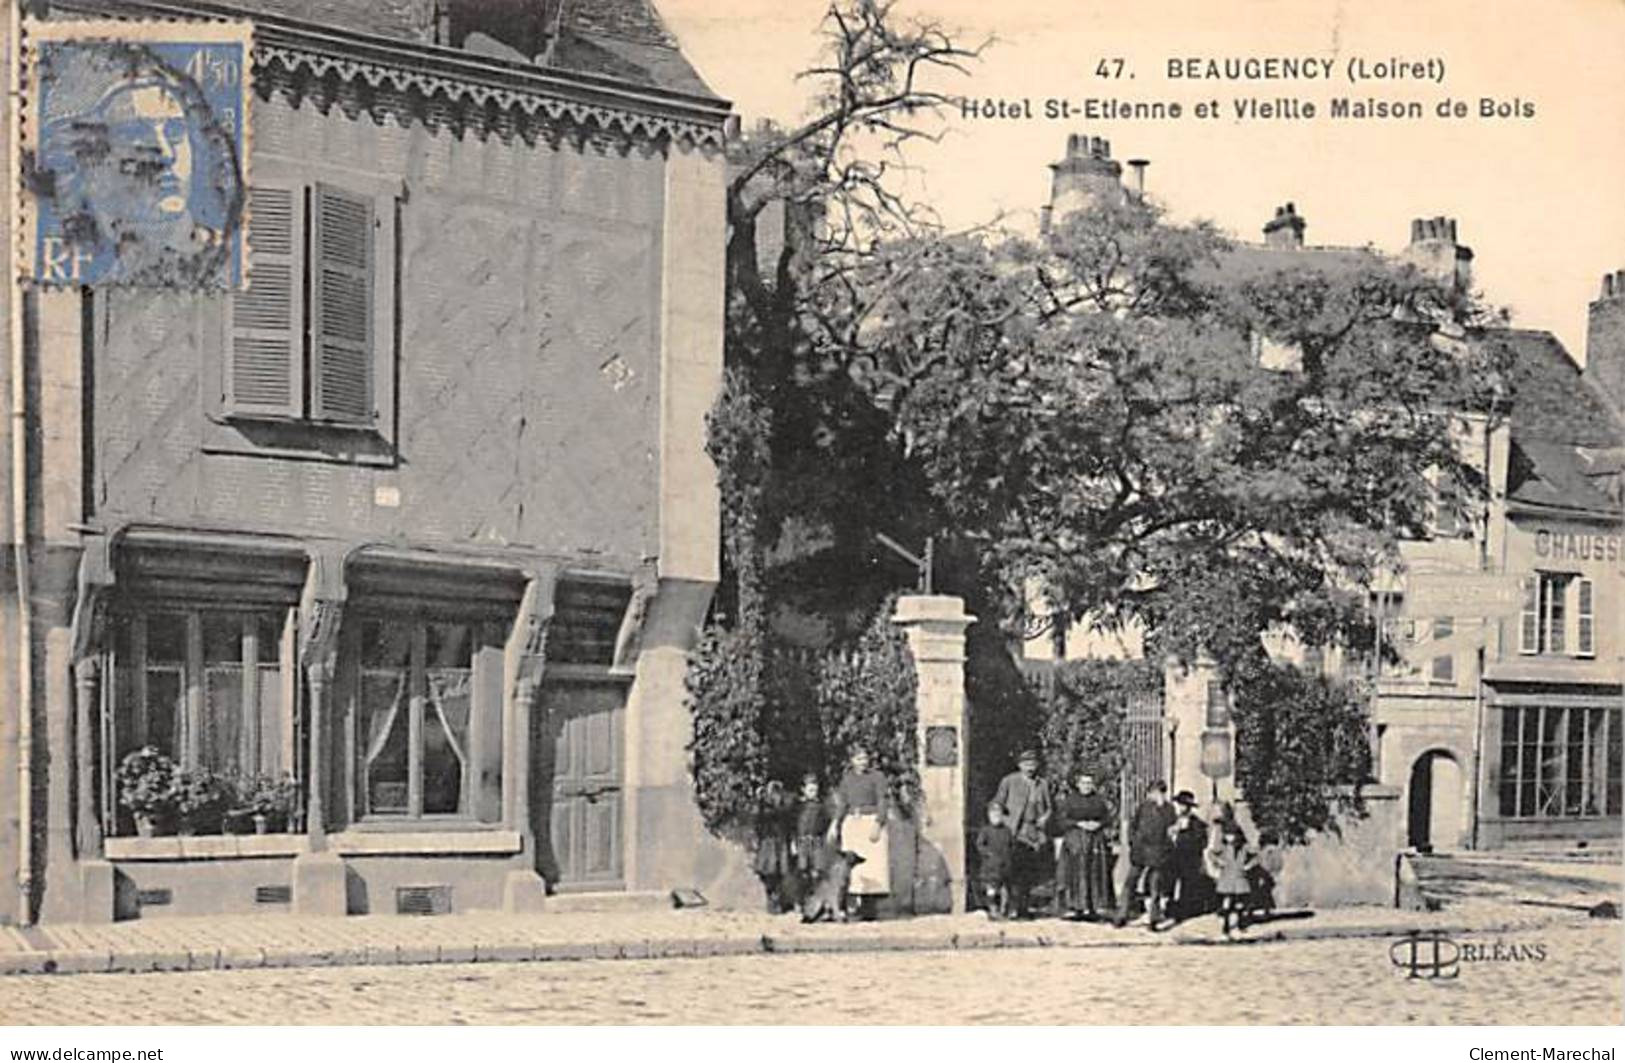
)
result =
(862, 809)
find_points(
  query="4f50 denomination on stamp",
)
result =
(138, 148)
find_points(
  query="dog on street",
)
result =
(827, 899)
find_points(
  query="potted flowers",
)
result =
(269, 800)
(201, 800)
(147, 787)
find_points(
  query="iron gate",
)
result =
(1145, 751)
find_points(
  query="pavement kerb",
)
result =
(79, 961)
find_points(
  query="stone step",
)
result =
(1592, 854)
(610, 901)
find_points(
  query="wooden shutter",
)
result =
(265, 350)
(1585, 636)
(341, 349)
(1529, 616)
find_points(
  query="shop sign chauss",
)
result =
(136, 155)
(1576, 546)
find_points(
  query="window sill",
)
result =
(352, 842)
(298, 440)
(208, 847)
(358, 841)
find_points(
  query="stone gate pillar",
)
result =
(935, 627)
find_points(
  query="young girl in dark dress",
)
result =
(771, 861)
(995, 846)
(809, 848)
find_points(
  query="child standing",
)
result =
(995, 847)
(809, 846)
(1228, 863)
(1264, 873)
(771, 861)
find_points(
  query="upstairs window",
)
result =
(309, 339)
(1442, 666)
(1558, 615)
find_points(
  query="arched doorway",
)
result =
(1434, 814)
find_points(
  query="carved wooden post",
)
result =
(89, 634)
(87, 691)
(524, 889)
(319, 875)
(319, 652)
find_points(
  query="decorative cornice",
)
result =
(464, 80)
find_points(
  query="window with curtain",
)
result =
(426, 717)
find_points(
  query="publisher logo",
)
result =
(1426, 954)
(1431, 954)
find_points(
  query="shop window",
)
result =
(202, 685)
(1559, 762)
(426, 717)
(1558, 615)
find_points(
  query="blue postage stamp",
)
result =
(139, 138)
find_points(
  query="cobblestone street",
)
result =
(1338, 981)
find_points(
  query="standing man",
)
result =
(1150, 854)
(1025, 799)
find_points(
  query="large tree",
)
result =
(810, 467)
(1091, 409)
(1084, 415)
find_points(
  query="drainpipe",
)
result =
(19, 486)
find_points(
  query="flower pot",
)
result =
(144, 826)
(262, 823)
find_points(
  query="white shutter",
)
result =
(265, 347)
(341, 350)
(1529, 616)
(1585, 624)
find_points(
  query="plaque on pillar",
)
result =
(941, 747)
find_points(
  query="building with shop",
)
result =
(1492, 731)
(422, 521)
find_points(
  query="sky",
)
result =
(1538, 198)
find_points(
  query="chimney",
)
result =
(1138, 166)
(1285, 230)
(1605, 340)
(1434, 251)
(1087, 175)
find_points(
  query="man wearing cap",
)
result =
(1150, 855)
(1189, 834)
(1025, 799)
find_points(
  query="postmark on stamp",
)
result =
(138, 139)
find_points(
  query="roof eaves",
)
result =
(338, 46)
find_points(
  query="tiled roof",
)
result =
(1566, 443)
(620, 39)
(1246, 261)
(1551, 399)
(1556, 476)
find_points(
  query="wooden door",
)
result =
(585, 721)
